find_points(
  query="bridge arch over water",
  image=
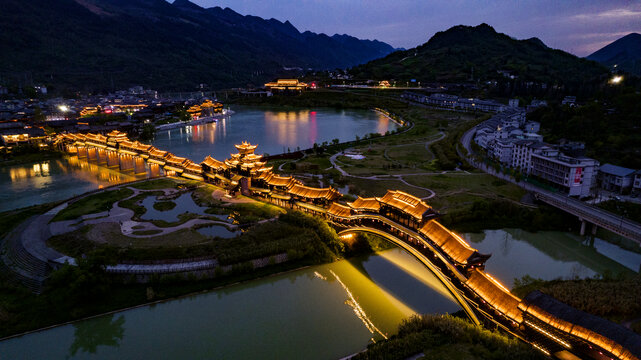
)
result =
(421, 258)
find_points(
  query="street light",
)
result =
(616, 79)
(63, 108)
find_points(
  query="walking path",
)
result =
(335, 164)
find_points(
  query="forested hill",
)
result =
(100, 44)
(465, 53)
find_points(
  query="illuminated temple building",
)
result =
(286, 85)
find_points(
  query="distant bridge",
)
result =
(552, 327)
(585, 212)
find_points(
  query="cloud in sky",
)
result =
(577, 26)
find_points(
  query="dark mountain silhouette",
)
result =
(625, 53)
(105, 44)
(466, 53)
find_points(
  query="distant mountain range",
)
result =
(625, 53)
(466, 53)
(105, 44)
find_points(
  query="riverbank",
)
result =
(447, 337)
(75, 292)
(29, 158)
(615, 298)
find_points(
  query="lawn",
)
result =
(92, 204)
(157, 184)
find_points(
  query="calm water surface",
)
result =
(321, 312)
(53, 180)
(272, 129)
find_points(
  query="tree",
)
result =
(148, 132)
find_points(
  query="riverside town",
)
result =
(211, 179)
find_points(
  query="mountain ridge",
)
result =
(110, 44)
(481, 54)
(624, 52)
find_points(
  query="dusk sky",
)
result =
(579, 27)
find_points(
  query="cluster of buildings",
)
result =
(512, 140)
(453, 102)
(24, 120)
(515, 143)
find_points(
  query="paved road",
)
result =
(615, 223)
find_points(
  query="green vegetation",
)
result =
(630, 210)
(499, 214)
(463, 53)
(10, 219)
(85, 291)
(447, 337)
(298, 235)
(157, 184)
(26, 154)
(616, 299)
(92, 204)
(164, 205)
(610, 128)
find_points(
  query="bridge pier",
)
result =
(126, 162)
(82, 152)
(583, 224)
(139, 165)
(594, 229)
(102, 156)
(112, 159)
(92, 154)
(154, 170)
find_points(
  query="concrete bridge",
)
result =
(550, 326)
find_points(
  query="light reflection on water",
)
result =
(274, 130)
(54, 180)
(320, 312)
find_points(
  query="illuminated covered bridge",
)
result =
(405, 220)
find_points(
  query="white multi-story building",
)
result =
(502, 150)
(522, 154)
(574, 175)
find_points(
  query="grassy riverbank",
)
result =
(77, 292)
(613, 298)
(447, 337)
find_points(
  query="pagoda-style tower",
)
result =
(245, 162)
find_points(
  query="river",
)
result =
(275, 131)
(321, 312)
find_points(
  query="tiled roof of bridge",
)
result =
(275, 180)
(495, 294)
(368, 204)
(96, 137)
(405, 202)
(141, 147)
(176, 160)
(191, 166)
(621, 342)
(337, 209)
(314, 193)
(157, 153)
(213, 163)
(455, 247)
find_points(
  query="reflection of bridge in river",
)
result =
(408, 222)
